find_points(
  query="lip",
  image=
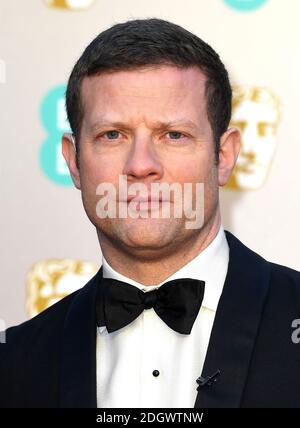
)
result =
(146, 204)
(144, 200)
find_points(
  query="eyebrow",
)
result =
(158, 125)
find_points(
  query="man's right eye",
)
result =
(112, 135)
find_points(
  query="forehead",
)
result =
(166, 87)
(151, 76)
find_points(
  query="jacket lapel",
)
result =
(78, 355)
(235, 327)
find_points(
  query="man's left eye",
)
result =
(112, 135)
(174, 135)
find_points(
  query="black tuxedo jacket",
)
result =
(50, 360)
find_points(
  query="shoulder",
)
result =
(286, 272)
(285, 281)
(44, 328)
(29, 351)
(281, 277)
(50, 322)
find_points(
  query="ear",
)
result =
(230, 144)
(69, 153)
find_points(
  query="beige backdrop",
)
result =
(38, 47)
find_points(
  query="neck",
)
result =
(156, 270)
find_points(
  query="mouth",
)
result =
(145, 203)
(148, 199)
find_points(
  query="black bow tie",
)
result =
(176, 302)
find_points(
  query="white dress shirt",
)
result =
(127, 358)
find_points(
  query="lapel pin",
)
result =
(207, 380)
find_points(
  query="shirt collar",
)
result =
(210, 266)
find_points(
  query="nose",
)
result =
(142, 161)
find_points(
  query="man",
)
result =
(177, 316)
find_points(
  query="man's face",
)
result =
(257, 122)
(151, 126)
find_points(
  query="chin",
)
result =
(145, 234)
(148, 249)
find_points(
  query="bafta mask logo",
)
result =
(256, 112)
(70, 4)
(48, 281)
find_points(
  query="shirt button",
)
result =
(155, 373)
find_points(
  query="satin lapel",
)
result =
(235, 327)
(78, 355)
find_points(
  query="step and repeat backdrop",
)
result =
(48, 246)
